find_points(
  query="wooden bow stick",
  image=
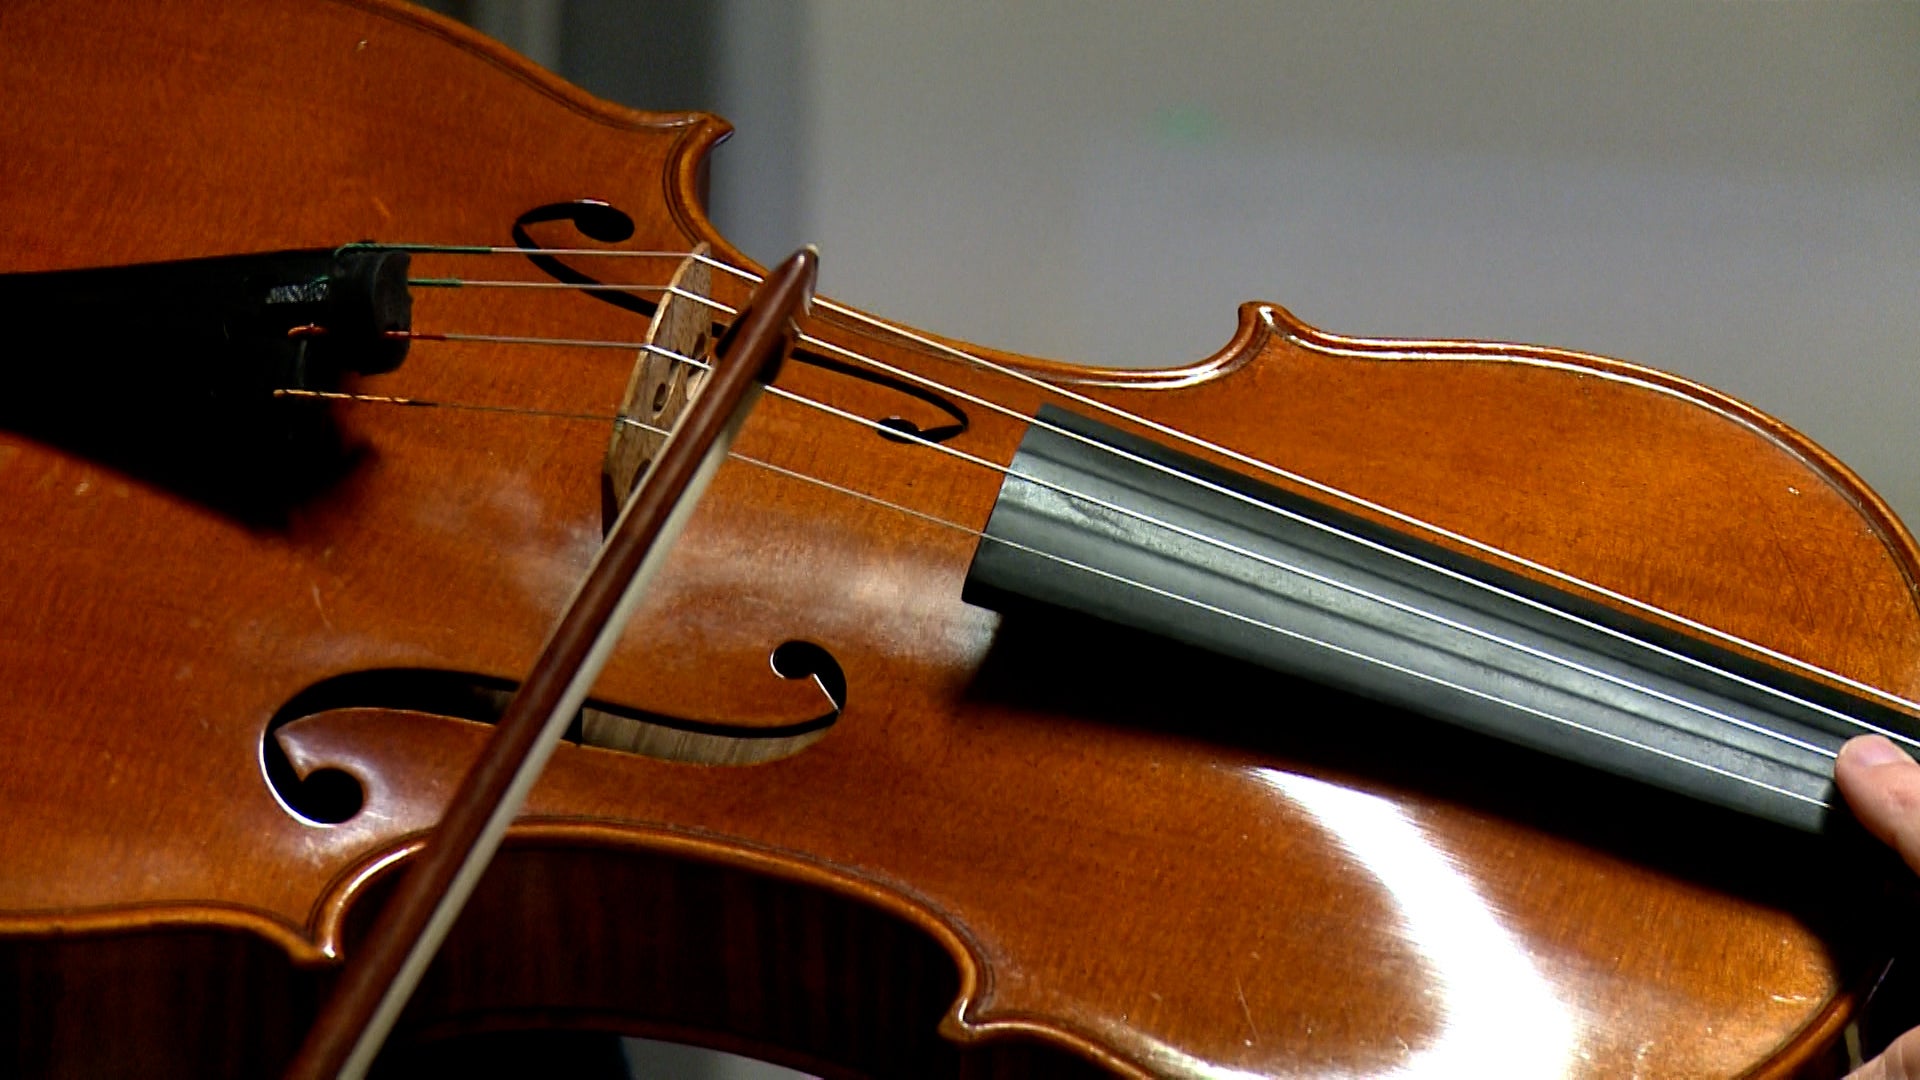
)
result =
(374, 988)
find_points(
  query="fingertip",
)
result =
(1882, 785)
(1900, 1061)
(1872, 752)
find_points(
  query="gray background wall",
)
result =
(1730, 191)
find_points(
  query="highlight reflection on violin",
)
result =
(992, 714)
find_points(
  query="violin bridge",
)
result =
(662, 383)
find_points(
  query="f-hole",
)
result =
(330, 796)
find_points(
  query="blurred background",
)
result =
(1730, 191)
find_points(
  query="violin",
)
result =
(984, 721)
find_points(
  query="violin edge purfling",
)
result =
(1009, 850)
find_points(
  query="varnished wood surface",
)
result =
(1130, 854)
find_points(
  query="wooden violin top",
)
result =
(1078, 847)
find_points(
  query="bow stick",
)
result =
(373, 989)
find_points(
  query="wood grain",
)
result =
(1058, 841)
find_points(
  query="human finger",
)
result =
(1900, 1061)
(1882, 785)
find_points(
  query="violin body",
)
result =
(1022, 845)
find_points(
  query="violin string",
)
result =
(1258, 505)
(1308, 639)
(510, 339)
(1835, 714)
(1042, 385)
(1786, 659)
(1282, 565)
(512, 283)
(1005, 371)
(1125, 582)
(457, 406)
(1207, 539)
